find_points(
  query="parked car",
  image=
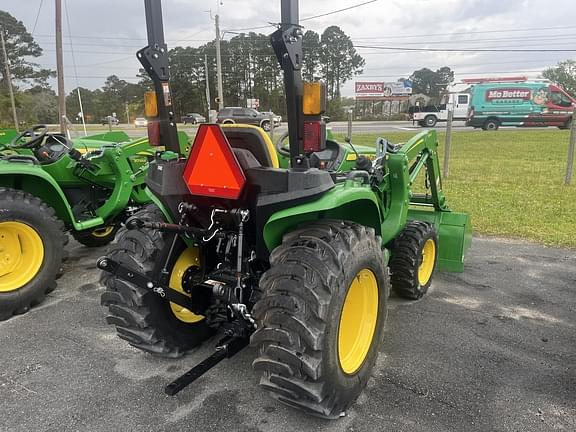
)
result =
(243, 115)
(110, 120)
(277, 118)
(140, 122)
(193, 118)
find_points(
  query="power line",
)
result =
(338, 11)
(37, 16)
(304, 19)
(460, 33)
(409, 49)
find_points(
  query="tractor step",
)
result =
(227, 347)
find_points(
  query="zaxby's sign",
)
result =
(509, 93)
(372, 90)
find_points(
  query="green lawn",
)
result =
(510, 181)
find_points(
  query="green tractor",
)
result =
(50, 185)
(297, 262)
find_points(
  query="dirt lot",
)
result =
(492, 349)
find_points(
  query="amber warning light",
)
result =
(212, 168)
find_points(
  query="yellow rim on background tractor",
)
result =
(358, 321)
(21, 255)
(190, 257)
(103, 232)
(428, 260)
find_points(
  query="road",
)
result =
(492, 349)
(337, 127)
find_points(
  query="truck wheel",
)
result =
(96, 237)
(430, 121)
(142, 318)
(321, 316)
(491, 125)
(266, 125)
(32, 241)
(413, 261)
(566, 125)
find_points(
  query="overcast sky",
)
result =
(106, 34)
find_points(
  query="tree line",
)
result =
(249, 71)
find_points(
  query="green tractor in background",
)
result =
(51, 185)
(296, 261)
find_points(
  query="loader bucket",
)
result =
(454, 235)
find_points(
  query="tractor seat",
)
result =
(253, 139)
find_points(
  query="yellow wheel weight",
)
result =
(428, 260)
(21, 255)
(190, 257)
(358, 321)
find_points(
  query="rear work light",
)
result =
(212, 169)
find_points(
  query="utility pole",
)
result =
(219, 64)
(127, 113)
(9, 79)
(60, 68)
(207, 87)
(571, 151)
(448, 143)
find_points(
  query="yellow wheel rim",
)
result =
(190, 257)
(103, 232)
(358, 321)
(21, 255)
(428, 260)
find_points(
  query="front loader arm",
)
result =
(404, 166)
(422, 151)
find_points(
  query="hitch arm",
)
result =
(143, 281)
(227, 347)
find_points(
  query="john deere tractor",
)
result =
(297, 262)
(50, 185)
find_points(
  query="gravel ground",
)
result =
(491, 349)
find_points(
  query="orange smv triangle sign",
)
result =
(212, 168)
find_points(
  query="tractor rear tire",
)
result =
(142, 318)
(414, 258)
(96, 237)
(321, 316)
(32, 241)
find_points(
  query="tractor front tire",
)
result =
(142, 318)
(32, 241)
(414, 258)
(321, 316)
(96, 237)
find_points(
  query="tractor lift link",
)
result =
(135, 223)
(141, 280)
(227, 347)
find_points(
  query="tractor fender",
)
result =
(34, 180)
(349, 201)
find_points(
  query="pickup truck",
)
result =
(428, 116)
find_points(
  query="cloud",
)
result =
(107, 33)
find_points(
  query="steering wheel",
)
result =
(36, 135)
(280, 147)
